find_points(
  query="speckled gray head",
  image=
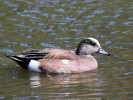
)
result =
(89, 46)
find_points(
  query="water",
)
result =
(39, 24)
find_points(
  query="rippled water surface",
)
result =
(28, 24)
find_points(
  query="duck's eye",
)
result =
(89, 42)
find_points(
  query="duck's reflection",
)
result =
(59, 86)
(35, 81)
(57, 80)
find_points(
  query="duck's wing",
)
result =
(50, 53)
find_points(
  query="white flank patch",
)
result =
(34, 66)
(65, 61)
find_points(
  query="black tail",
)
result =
(21, 60)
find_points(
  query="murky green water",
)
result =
(28, 24)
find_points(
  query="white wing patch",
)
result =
(34, 66)
(65, 61)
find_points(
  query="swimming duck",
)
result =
(53, 60)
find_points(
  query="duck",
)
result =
(56, 60)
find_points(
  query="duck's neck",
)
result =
(80, 52)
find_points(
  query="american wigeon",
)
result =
(51, 60)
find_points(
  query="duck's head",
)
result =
(89, 46)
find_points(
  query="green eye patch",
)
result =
(89, 42)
